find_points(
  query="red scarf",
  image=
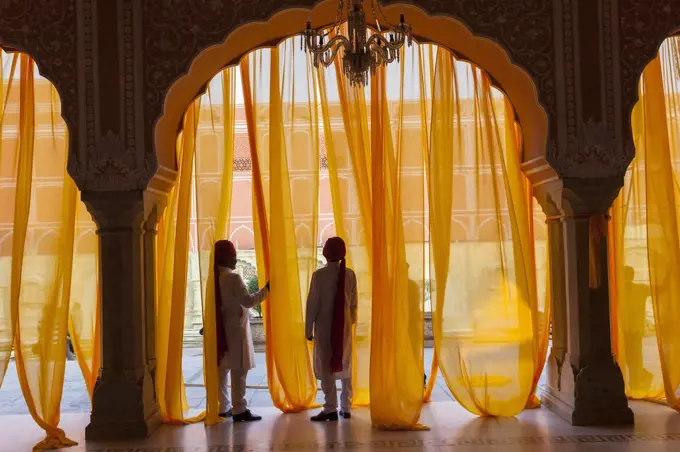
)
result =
(224, 250)
(334, 251)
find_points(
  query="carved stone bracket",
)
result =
(592, 154)
(110, 167)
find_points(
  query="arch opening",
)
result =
(481, 221)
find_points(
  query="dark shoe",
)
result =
(325, 417)
(226, 414)
(246, 416)
(346, 415)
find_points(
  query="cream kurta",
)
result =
(319, 319)
(235, 305)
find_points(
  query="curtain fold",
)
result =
(84, 321)
(8, 170)
(345, 128)
(487, 336)
(214, 223)
(173, 258)
(284, 145)
(40, 279)
(397, 325)
(645, 253)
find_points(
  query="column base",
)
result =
(594, 397)
(124, 407)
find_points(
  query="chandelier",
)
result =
(362, 54)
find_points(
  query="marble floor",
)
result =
(452, 428)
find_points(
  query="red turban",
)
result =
(224, 252)
(335, 251)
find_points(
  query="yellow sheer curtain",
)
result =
(173, 259)
(646, 249)
(9, 171)
(286, 138)
(213, 180)
(346, 138)
(426, 60)
(41, 271)
(397, 324)
(84, 314)
(486, 318)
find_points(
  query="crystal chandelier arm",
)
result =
(378, 41)
(311, 45)
(327, 58)
(385, 56)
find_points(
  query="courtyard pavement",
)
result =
(76, 400)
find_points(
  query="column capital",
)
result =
(115, 210)
(579, 198)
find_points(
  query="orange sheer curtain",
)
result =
(346, 136)
(213, 178)
(645, 252)
(489, 326)
(40, 285)
(172, 263)
(284, 140)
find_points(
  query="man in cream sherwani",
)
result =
(235, 351)
(331, 313)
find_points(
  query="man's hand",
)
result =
(310, 338)
(266, 286)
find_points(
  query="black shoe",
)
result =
(346, 415)
(246, 416)
(325, 417)
(226, 414)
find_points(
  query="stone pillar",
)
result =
(124, 403)
(558, 296)
(585, 384)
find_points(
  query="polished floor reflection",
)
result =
(657, 429)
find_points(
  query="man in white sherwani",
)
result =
(235, 349)
(331, 313)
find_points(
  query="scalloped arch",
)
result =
(443, 30)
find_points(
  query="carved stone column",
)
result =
(124, 402)
(558, 291)
(585, 383)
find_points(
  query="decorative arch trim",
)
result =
(443, 30)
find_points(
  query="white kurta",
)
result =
(319, 318)
(236, 301)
